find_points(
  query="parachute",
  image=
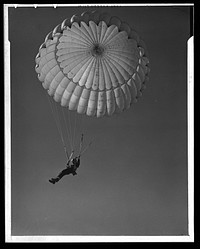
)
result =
(93, 64)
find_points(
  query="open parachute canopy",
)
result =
(94, 64)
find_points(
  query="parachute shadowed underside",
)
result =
(94, 64)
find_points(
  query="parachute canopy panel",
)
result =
(94, 64)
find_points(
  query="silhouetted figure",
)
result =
(71, 169)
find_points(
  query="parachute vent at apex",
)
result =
(94, 64)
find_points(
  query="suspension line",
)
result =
(67, 129)
(74, 133)
(55, 115)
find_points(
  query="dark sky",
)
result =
(133, 179)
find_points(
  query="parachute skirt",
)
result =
(93, 64)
